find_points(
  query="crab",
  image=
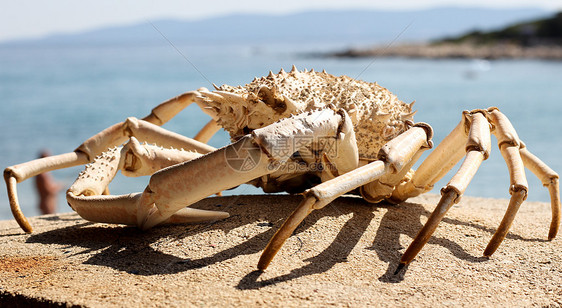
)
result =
(300, 132)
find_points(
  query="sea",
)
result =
(55, 97)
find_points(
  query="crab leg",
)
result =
(205, 134)
(250, 157)
(508, 142)
(478, 149)
(383, 188)
(440, 161)
(85, 153)
(94, 146)
(18, 173)
(394, 156)
(147, 132)
(85, 195)
(170, 108)
(174, 188)
(122, 209)
(549, 179)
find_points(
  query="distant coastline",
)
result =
(456, 51)
(535, 39)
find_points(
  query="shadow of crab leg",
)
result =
(393, 157)
(509, 145)
(478, 149)
(550, 179)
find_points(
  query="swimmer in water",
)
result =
(47, 190)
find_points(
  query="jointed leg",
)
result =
(382, 188)
(394, 157)
(86, 197)
(509, 144)
(205, 134)
(94, 146)
(516, 157)
(174, 188)
(478, 148)
(147, 132)
(21, 172)
(549, 178)
(171, 189)
(440, 161)
(165, 111)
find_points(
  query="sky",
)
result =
(36, 18)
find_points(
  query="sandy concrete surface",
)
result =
(343, 255)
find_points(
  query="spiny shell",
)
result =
(376, 113)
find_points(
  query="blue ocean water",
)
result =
(56, 97)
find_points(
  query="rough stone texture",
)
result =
(343, 255)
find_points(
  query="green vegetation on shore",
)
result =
(537, 39)
(547, 31)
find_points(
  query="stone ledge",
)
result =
(343, 255)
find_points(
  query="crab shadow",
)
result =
(131, 250)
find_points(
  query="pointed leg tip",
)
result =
(491, 248)
(264, 261)
(552, 235)
(25, 225)
(399, 268)
(27, 228)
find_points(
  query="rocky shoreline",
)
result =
(456, 51)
